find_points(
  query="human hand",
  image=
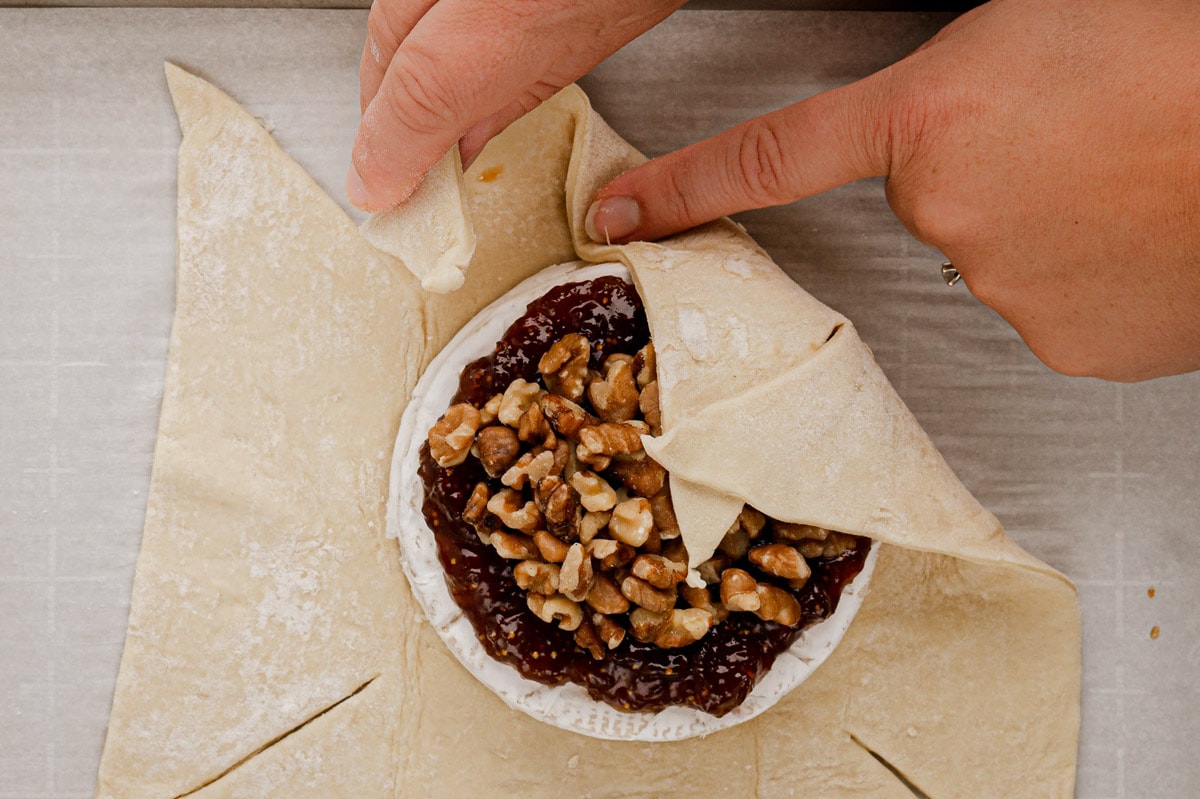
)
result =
(434, 73)
(1051, 150)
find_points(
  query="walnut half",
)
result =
(450, 439)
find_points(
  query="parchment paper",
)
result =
(1099, 480)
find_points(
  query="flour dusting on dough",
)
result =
(736, 266)
(201, 686)
(671, 363)
(693, 330)
(739, 335)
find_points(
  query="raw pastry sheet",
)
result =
(1099, 480)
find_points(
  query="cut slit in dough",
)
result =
(266, 591)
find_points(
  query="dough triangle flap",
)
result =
(265, 592)
(828, 442)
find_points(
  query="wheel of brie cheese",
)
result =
(539, 537)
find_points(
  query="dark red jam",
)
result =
(714, 674)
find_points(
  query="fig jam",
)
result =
(716, 673)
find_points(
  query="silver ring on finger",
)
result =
(950, 274)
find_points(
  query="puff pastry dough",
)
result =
(274, 648)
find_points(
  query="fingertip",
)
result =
(613, 219)
(356, 190)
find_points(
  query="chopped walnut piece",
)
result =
(696, 597)
(752, 521)
(653, 545)
(517, 398)
(559, 609)
(565, 365)
(664, 515)
(605, 597)
(592, 523)
(683, 627)
(513, 512)
(615, 396)
(660, 572)
(736, 542)
(810, 549)
(476, 514)
(594, 462)
(781, 560)
(611, 633)
(560, 505)
(450, 439)
(565, 416)
(632, 521)
(591, 377)
(776, 604)
(611, 554)
(648, 404)
(587, 638)
(645, 477)
(790, 531)
(535, 428)
(576, 576)
(476, 504)
(835, 544)
(644, 624)
(645, 365)
(739, 590)
(710, 570)
(514, 547)
(529, 468)
(641, 593)
(487, 414)
(486, 527)
(551, 547)
(498, 448)
(702, 598)
(674, 549)
(538, 577)
(595, 494)
(564, 457)
(544, 489)
(599, 443)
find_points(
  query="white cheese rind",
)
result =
(567, 706)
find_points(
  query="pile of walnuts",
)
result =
(587, 516)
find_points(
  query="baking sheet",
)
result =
(1098, 479)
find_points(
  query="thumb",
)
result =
(806, 148)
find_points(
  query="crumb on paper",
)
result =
(1150, 592)
(1154, 633)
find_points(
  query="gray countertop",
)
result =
(1100, 480)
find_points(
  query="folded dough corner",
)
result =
(431, 232)
(274, 648)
